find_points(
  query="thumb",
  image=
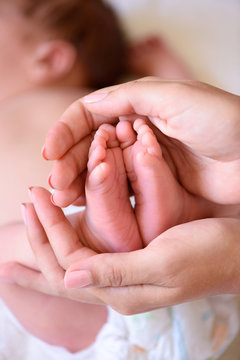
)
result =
(148, 96)
(113, 270)
(192, 112)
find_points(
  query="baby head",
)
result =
(58, 43)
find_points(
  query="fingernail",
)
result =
(52, 200)
(50, 181)
(43, 152)
(23, 211)
(95, 97)
(78, 279)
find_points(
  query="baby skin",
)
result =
(132, 152)
(107, 197)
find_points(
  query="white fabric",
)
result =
(199, 330)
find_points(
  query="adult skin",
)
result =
(172, 269)
(187, 262)
(199, 132)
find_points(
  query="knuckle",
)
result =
(115, 277)
(110, 275)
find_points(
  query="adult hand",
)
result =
(199, 132)
(187, 262)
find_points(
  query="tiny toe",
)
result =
(96, 157)
(149, 140)
(111, 138)
(98, 175)
(125, 133)
(103, 133)
(138, 123)
(100, 139)
(143, 130)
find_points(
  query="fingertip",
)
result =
(43, 153)
(52, 200)
(50, 181)
(94, 97)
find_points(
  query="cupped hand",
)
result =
(197, 125)
(187, 262)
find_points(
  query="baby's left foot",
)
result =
(109, 214)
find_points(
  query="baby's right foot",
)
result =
(109, 214)
(159, 197)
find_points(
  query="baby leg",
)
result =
(158, 196)
(109, 213)
(54, 320)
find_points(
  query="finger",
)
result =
(60, 233)
(151, 97)
(136, 299)
(25, 277)
(73, 126)
(129, 282)
(34, 280)
(175, 107)
(44, 255)
(76, 190)
(114, 270)
(65, 170)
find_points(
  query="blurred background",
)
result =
(205, 34)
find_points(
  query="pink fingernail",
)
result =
(43, 152)
(78, 279)
(95, 97)
(50, 181)
(52, 200)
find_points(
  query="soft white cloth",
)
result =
(199, 330)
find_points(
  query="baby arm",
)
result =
(14, 245)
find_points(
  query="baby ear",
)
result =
(52, 61)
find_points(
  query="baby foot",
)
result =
(109, 213)
(158, 195)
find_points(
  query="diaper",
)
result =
(199, 330)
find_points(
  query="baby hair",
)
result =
(91, 26)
